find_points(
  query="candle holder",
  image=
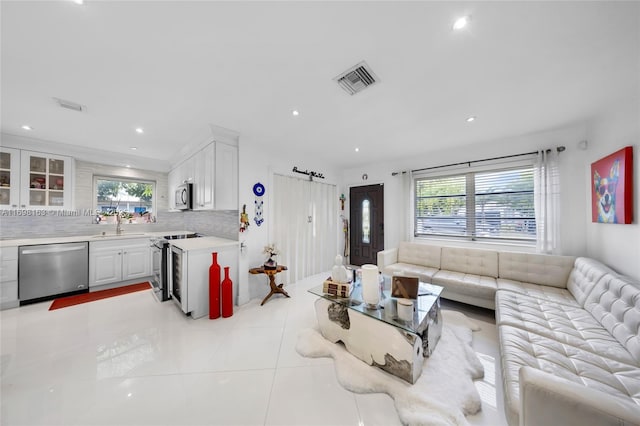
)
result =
(370, 286)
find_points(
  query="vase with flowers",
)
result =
(272, 251)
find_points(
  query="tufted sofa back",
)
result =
(470, 261)
(419, 254)
(584, 276)
(615, 303)
(535, 268)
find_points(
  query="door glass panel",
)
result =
(366, 222)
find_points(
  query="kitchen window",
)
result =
(132, 199)
(488, 204)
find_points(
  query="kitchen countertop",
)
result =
(111, 236)
(203, 243)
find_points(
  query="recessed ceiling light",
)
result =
(357, 149)
(295, 113)
(139, 130)
(133, 148)
(78, 1)
(27, 127)
(470, 119)
(461, 22)
(128, 166)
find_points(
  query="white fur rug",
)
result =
(443, 394)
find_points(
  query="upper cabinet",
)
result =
(34, 180)
(204, 177)
(9, 177)
(45, 180)
(213, 170)
(226, 180)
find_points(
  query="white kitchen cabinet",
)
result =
(45, 180)
(213, 170)
(9, 177)
(136, 261)
(204, 178)
(118, 261)
(8, 277)
(226, 177)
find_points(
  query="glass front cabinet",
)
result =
(45, 181)
(9, 177)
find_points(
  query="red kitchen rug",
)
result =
(97, 295)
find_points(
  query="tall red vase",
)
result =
(214, 288)
(227, 294)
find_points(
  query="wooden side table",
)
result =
(271, 273)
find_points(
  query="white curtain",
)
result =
(305, 225)
(547, 202)
(407, 188)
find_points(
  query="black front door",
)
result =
(367, 224)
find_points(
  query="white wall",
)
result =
(617, 245)
(571, 162)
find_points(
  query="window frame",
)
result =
(126, 179)
(469, 175)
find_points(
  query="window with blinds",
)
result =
(495, 204)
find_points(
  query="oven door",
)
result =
(160, 256)
(156, 270)
(178, 282)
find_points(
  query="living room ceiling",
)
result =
(174, 68)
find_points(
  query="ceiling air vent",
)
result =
(70, 105)
(357, 78)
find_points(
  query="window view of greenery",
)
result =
(132, 200)
(501, 205)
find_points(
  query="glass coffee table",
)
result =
(378, 336)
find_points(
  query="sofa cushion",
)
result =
(470, 261)
(469, 284)
(424, 273)
(615, 303)
(571, 325)
(545, 292)
(584, 276)
(419, 254)
(535, 268)
(523, 348)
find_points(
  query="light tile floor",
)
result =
(131, 360)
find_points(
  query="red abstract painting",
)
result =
(612, 188)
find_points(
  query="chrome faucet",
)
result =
(118, 224)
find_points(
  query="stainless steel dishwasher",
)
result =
(52, 269)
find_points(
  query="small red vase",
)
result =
(214, 288)
(227, 294)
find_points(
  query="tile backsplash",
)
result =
(223, 224)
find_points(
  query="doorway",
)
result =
(366, 210)
(305, 229)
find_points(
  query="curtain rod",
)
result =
(559, 149)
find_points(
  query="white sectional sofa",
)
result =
(568, 328)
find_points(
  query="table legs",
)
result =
(274, 289)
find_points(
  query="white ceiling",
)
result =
(173, 68)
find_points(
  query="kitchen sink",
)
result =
(123, 235)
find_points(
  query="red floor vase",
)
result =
(214, 288)
(227, 294)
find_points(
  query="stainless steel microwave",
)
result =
(184, 197)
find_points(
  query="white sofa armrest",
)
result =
(387, 257)
(550, 400)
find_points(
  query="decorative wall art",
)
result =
(244, 219)
(612, 188)
(258, 191)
